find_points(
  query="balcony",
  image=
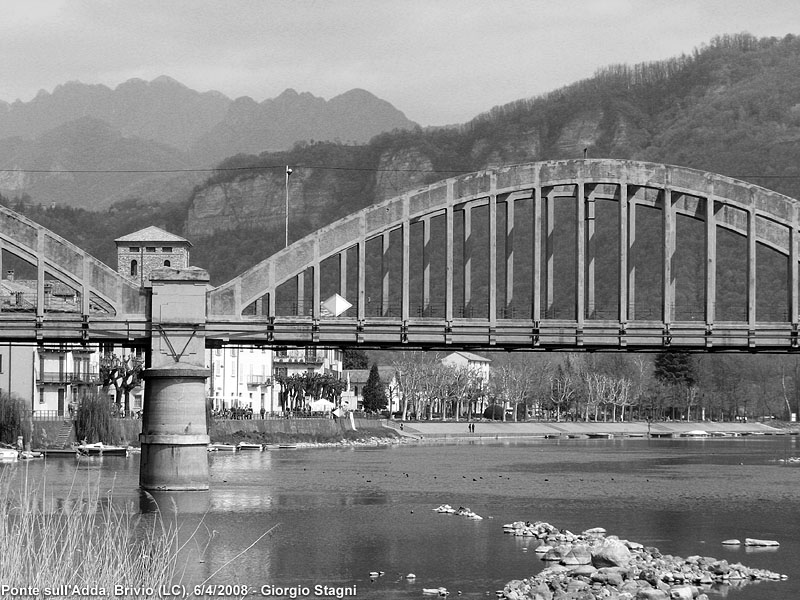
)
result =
(64, 377)
(307, 359)
(258, 380)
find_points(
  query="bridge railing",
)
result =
(437, 310)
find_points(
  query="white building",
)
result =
(353, 395)
(62, 374)
(241, 378)
(244, 377)
(478, 365)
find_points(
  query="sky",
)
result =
(438, 61)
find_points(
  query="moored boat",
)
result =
(101, 449)
(8, 453)
(219, 447)
(249, 446)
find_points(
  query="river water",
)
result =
(332, 516)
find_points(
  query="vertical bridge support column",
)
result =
(174, 431)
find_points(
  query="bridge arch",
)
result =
(594, 253)
(99, 299)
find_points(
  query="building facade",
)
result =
(140, 252)
(245, 377)
(62, 374)
(353, 395)
(476, 364)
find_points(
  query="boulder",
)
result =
(651, 594)
(611, 553)
(557, 554)
(578, 555)
(610, 576)
(582, 571)
(683, 592)
(719, 567)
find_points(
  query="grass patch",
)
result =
(86, 541)
(282, 437)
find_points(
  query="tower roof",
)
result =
(152, 234)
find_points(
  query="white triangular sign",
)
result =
(335, 305)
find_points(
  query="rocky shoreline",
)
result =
(593, 565)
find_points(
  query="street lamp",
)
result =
(286, 237)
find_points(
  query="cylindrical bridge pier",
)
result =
(174, 434)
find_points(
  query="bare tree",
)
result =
(124, 373)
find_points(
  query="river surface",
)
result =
(332, 516)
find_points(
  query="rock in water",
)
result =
(756, 542)
(612, 553)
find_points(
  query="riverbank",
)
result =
(360, 430)
(438, 430)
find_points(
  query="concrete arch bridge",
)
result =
(575, 254)
(594, 254)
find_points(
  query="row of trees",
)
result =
(296, 388)
(604, 387)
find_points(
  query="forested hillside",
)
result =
(732, 106)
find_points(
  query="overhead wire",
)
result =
(226, 169)
(296, 166)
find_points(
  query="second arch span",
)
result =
(596, 253)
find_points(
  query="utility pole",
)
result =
(288, 172)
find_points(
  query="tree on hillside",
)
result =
(374, 391)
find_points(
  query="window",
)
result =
(134, 268)
(167, 263)
(166, 249)
(133, 249)
(41, 395)
(150, 249)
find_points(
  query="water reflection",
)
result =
(181, 503)
(330, 516)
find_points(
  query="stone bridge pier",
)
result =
(174, 434)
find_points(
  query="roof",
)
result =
(470, 356)
(386, 374)
(152, 234)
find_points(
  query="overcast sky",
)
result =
(438, 61)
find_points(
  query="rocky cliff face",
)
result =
(319, 196)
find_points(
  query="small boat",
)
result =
(218, 447)
(101, 449)
(8, 453)
(249, 446)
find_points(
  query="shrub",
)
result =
(495, 411)
(13, 419)
(95, 422)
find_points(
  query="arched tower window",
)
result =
(134, 268)
(167, 263)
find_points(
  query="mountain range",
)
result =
(731, 106)
(151, 130)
